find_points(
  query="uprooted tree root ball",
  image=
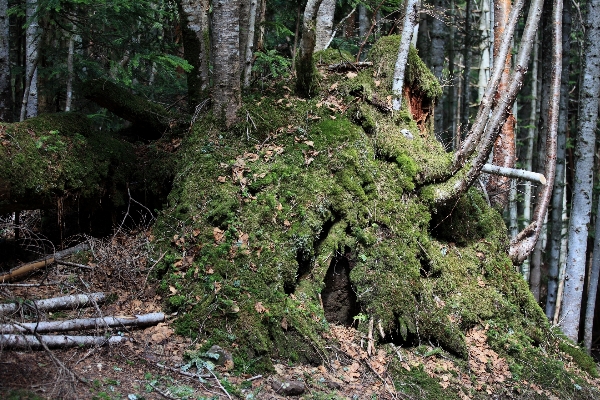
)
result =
(262, 215)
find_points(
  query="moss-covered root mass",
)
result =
(255, 227)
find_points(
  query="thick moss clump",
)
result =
(60, 155)
(260, 213)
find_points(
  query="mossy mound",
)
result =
(262, 215)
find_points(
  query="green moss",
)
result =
(332, 56)
(580, 357)
(57, 155)
(263, 220)
(416, 383)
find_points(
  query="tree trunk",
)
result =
(583, 184)
(593, 289)
(466, 98)
(554, 243)
(196, 46)
(5, 89)
(505, 145)
(528, 159)
(363, 21)
(410, 21)
(248, 52)
(70, 73)
(29, 107)
(324, 26)
(305, 68)
(226, 41)
(439, 33)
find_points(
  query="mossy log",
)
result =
(58, 156)
(151, 120)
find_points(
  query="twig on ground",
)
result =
(219, 383)
(254, 378)
(163, 394)
(72, 264)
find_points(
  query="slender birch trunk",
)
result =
(410, 21)
(70, 73)
(5, 89)
(324, 26)
(363, 21)
(528, 159)
(581, 205)
(226, 41)
(556, 236)
(466, 99)
(248, 53)
(593, 289)
(305, 68)
(29, 107)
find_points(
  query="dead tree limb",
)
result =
(22, 342)
(30, 267)
(84, 323)
(514, 173)
(57, 303)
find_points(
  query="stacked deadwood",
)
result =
(15, 335)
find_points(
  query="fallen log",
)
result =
(151, 119)
(32, 266)
(61, 155)
(84, 323)
(56, 303)
(23, 342)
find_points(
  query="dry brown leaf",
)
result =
(222, 179)
(351, 75)
(218, 234)
(260, 308)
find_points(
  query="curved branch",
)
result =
(520, 248)
(492, 124)
(474, 137)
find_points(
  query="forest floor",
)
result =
(149, 364)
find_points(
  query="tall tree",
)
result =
(466, 98)
(439, 33)
(226, 43)
(555, 237)
(581, 205)
(29, 106)
(505, 145)
(305, 68)
(5, 89)
(411, 18)
(249, 45)
(324, 26)
(196, 46)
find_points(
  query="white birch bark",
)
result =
(226, 41)
(83, 323)
(593, 288)
(581, 205)
(29, 107)
(363, 21)
(486, 44)
(556, 232)
(410, 21)
(324, 27)
(70, 74)
(249, 43)
(56, 303)
(5, 89)
(24, 342)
